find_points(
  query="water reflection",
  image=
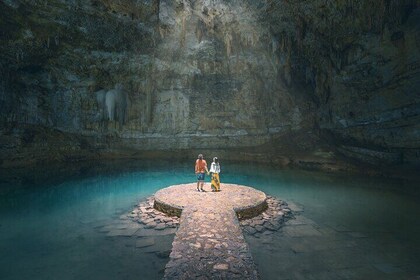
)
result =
(49, 218)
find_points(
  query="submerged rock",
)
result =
(145, 242)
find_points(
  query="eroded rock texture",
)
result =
(361, 59)
(287, 78)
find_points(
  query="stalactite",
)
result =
(114, 104)
(288, 71)
(162, 32)
(100, 99)
(299, 33)
(156, 5)
(199, 31)
(283, 43)
(19, 55)
(149, 89)
(274, 44)
(228, 43)
(183, 29)
(255, 39)
(148, 106)
(381, 14)
(394, 11)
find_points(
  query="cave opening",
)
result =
(314, 103)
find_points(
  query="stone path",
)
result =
(209, 243)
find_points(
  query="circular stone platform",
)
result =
(247, 202)
(209, 243)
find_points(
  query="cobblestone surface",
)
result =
(269, 221)
(209, 243)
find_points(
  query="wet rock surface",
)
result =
(270, 221)
(151, 218)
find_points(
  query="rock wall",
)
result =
(361, 59)
(283, 77)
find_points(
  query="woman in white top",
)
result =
(215, 179)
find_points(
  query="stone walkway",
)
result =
(209, 243)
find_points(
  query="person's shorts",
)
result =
(200, 176)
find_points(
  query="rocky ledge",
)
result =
(269, 221)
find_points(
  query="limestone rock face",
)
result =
(180, 74)
(361, 59)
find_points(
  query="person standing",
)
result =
(200, 168)
(215, 178)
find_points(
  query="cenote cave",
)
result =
(118, 116)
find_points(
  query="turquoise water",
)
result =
(49, 223)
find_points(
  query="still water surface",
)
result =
(358, 227)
